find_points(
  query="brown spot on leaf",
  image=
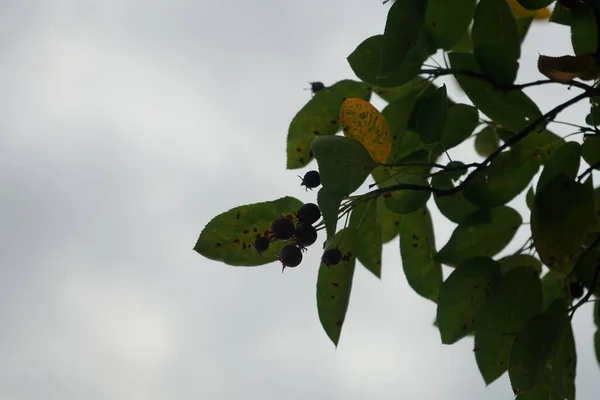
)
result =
(246, 231)
(244, 246)
(316, 132)
(433, 24)
(332, 297)
(237, 216)
(333, 122)
(335, 284)
(236, 240)
(339, 323)
(298, 149)
(219, 244)
(255, 230)
(387, 195)
(302, 160)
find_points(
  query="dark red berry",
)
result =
(261, 244)
(332, 257)
(283, 228)
(309, 213)
(290, 256)
(316, 87)
(305, 235)
(576, 290)
(311, 180)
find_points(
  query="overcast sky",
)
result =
(125, 126)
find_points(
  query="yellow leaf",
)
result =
(521, 12)
(364, 123)
(567, 68)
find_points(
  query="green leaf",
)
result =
(408, 90)
(590, 150)
(535, 4)
(496, 41)
(344, 163)
(463, 295)
(562, 213)
(593, 118)
(334, 284)
(432, 115)
(329, 203)
(454, 207)
(520, 260)
(565, 161)
(597, 314)
(465, 44)
(543, 359)
(397, 114)
(365, 219)
(530, 197)
(407, 201)
(447, 28)
(505, 177)
(544, 142)
(585, 268)
(583, 30)
(597, 345)
(512, 109)
(417, 248)
(483, 233)
(230, 236)
(523, 25)
(516, 299)
(553, 287)
(367, 57)
(561, 15)
(319, 117)
(487, 141)
(460, 122)
(390, 221)
(402, 30)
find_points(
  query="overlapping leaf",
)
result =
(454, 207)
(319, 117)
(463, 295)
(365, 219)
(483, 233)
(446, 28)
(496, 41)
(520, 260)
(230, 236)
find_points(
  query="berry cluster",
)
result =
(301, 234)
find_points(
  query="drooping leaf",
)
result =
(585, 269)
(520, 260)
(319, 117)
(567, 68)
(446, 28)
(543, 359)
(597, 345)
(431, 116)
(583, 29)
(402, 30)
(516, 298)
(505, 177)
(487, 141)
(454, 207)
(483, 233)
(530, 197)
(329, 203)
(463, 295)
(564, 161)
(390, 221)
(553, 287)
(367, 57)
(417, 248)
(365, 219)
(361, 121)
(496, 41)
(590, 150)
(460, 122)
(562, 213)
(593, 118)
(344, 163)
(334, 284)
(230, 236)
(512, 109)
(409, 89)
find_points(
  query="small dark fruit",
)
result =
(290, 256)
(316, 87)
(309, 213)
(261, 244)
(306, 234)
(311, 180)
(332, 257)
(283, 228)
(576, 290)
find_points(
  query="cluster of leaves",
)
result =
(518, 306)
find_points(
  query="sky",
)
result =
(125, 126)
